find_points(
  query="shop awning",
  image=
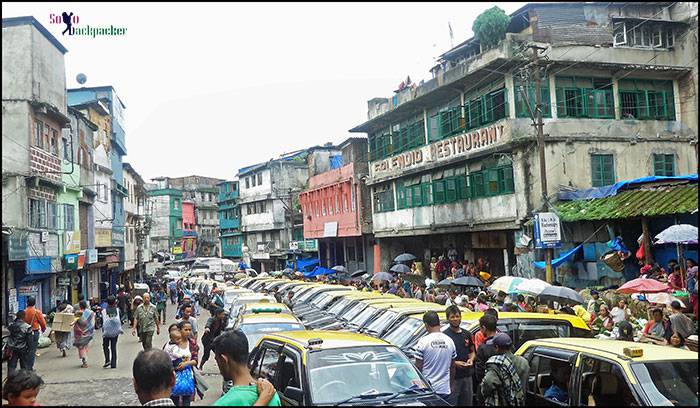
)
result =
(33, 277)
(644, 202)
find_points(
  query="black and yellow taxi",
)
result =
(334, 368)
(359, 314)
(343, 304)
(315, 307)
(520, 326)
(266, 318)
(578, 371)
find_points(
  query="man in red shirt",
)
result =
(34, 318)
(479, 337)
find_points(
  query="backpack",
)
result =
(111, 326)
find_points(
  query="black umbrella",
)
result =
(358, 273)
(382, 276)
(341, 276)
(560, 294)
(400, 268)
(445, 282)
(468, 281)
(406, 257)
(339, 268)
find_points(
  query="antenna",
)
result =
(81, 78)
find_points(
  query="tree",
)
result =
(490, 27)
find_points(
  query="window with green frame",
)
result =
(384, 198)
(603, 170)
(521, 110)
(409, 137)
(476, 112)
(664, 165)
(379, 146)
(585, 97)
(410, 196)
(646, 99)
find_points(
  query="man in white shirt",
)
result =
(436, 354)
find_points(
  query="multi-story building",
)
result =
(134, 236)
(189, 229)
(231, 238)
(269, 204)
(337, 211)
(453, 161)
(166, 217)
(34, 116)
(111, 272)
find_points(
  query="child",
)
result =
(21, 388)
(179, 351)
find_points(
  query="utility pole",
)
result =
(539, 125)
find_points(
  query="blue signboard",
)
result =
(40, 264)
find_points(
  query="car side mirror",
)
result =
(295, 394)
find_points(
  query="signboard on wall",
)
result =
(547, 230)
(103, 237)
(41, 264)
(91, 256)
(118, 237)
(18, 248)
(330, 229)
(72, 242)
(12, 301)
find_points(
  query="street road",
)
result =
(68, 384)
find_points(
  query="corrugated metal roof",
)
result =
(649, 202)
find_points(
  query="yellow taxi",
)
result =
(520, 326)
(334, 368)
(268, 318)
(355, 316)
(264, 307)
(343, 303)
(577, 371)
(387, 314)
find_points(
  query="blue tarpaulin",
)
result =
(556, 262)
(304, 265)
(336, 161)
(319, 270)
(607, 191)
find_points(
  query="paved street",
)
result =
(68, 384)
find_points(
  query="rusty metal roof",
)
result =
(646, 202)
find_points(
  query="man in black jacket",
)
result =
(487, 326)
(21, 336)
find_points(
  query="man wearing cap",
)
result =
(506, 374)
(595, 302)
(436, 356)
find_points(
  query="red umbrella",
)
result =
(643, 285)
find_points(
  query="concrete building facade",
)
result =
(454, 169)
(231, 238)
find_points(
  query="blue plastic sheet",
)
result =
(556, 262)
(336, 161)
(305, 265)
(319, 270)
(607, 191)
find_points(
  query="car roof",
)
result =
(369, 295)
(266, 305)
(408, 307)
(269, 318)
(331, 339)
(379, 301)
(615, 348)
(574, 320)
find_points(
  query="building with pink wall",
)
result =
(189, 231)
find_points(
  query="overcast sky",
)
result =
(210, 88)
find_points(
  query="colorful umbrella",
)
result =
(506, 284)
(643, 285)
(532, 286)
(662, 297)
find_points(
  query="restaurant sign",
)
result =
(442, 150)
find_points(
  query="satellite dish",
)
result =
(81, 78)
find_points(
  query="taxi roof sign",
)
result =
(315, 342)
(270, 309)
(633, 351)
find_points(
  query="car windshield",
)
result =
(327, 299)
(338, 374)
(669, 382)
(403, 332)
(364, 316)
(308, 295)
(354, 311)
(255, 331)
(336, 308)
(383, 321)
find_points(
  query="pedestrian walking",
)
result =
(172, 287)
(64, 339)
(146, 321)
(19, 342)
(111, 329)
(231, 354)
(154, 378)
(506, 375)
(138, 300)
(487, 327)
(161, 303)
(35, 318)
(83, 331)
(187, 317)
(462, 389)
(21, 388)
(435, 356)
(215, 325)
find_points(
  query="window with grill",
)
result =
(603, 169)
(68, 217)
(477, 182)
(37, 213)
(644, 34)
(38, 133)
(463, 190)
(439, 191)
(54, 142)
(646, 99)
(384, 198)
(51, 215)
(521, 109)
(582, 97)
(664, 165)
